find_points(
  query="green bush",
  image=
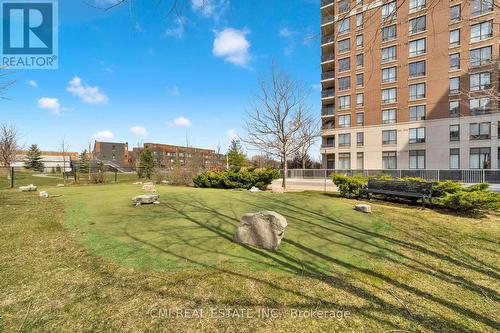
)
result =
(350, 187)
(472, 202)
(244, 178)
(440, 189)
(477, 187)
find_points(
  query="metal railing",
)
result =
(467, 176)
(327, 39)
(326, 2)
(327, 57)
(327, 19)
(329, 111)
(328, 93)
(328, 75)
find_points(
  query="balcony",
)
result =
(328, 111)
(327, 19)
(328, 126)
(328, 75)
(327, 39)
(327, 57)
(328, 145)
(329, 93)
(325, 3)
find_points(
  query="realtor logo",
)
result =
(29, 34)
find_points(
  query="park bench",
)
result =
(400, 188)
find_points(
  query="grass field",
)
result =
(90, 261)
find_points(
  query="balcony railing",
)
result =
(326, 2)
(328, 75)
(329, 111)
(327, 19)
(328, 126)
(328, 145)
(327, 39)
(327, 57)
(328, 93)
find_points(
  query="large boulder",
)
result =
(363, 208)
(29, 188)
(43, 195)
(263, 229)
(148, 199)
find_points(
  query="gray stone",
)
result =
(149, 187)
(254, 189)
(29, 188)
(43, 195)
(148, 199)
(60, 185)
(263, 229)
(364, 208)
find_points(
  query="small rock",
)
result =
(147, 199)
(43, 195)
(165, 182)
(60, 185)
(254, 189)
(263, 229)
(29, 188)
(364, 208)
(149, 188)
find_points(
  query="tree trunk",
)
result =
(285, 172)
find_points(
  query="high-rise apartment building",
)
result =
(410, 84)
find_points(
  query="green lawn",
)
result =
(90, 261)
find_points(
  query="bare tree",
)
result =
(5, 81)
(64, 148)
(8, 144)
(279, 112)
(310, 134)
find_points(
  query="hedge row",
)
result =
(245, 179)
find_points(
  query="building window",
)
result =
(454, 158)
(480, 56)
(360, 60)
(417, 159)
(480, 81)
(360, 80)
(416, 5)
(480, 7)
(345, 45)
(344, 6)
(329, 142)
(345, 140)
(344, 26)
(360, 119)
(454, 132)
(389, 95)
(360, 161)
(454, 61)
(416, 25)
(389, 53)
(454, 108)
(345, 121)
(345, 83)
(389, 33)
(416, 47)
(455, 37)
(389, 137)
(455, 13)
(417, 69)
(480, 158)
(480, 106)
(344, 64)
(359, 41)
(480, 131)
(389, 10)
(417, 91)
(417, 135)
(417, 112)
(389, 160)
(360, 99)
(454, 85)
(389, 74)
(330, 161)
(359, 20)
(389, 116)
(360, 139)
(345, 161)
(481, 31)
(344, 102)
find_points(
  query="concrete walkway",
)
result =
(297, 185)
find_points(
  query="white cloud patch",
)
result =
(178, 30)
(87, 94)
(210, 8)
(103, 135)
(51, 104)
(139, 131)
(233, 46)
(232, 134)
(285, 33)
(316, 86)
(33, 83)
(174, 90)
(181, 122)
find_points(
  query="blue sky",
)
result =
(135, 74)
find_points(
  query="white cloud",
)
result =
(205, 7)
(316, 86)
(173, 90)
(139, 131)
(106, 135)
(51, 104)
(233, 46)
(179, 30)
(87, 94)
(232, 134)
(181, 122)
(285, 32)
(33, 83)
